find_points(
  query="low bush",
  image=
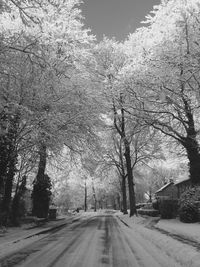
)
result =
(188, 205)
(149, 212)
(188, 213)
(140, 205)
(155, 204)
(168, 208)
(148, 206)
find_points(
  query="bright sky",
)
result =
(115, 18)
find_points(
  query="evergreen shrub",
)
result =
(188, 205)
(41, 196)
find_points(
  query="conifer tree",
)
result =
(41, 196)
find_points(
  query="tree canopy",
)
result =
(113, 106)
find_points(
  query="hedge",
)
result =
(149, 212)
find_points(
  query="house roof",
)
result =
(182, 181)
(163, 187)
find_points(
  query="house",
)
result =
(182, 186)
(168, 191)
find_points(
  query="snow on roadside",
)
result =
(186, 230)
(184, 254)
(10, 247)
(16, 238)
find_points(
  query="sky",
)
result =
(115, 18)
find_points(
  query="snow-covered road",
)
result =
(103, 240)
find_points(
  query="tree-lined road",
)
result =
(97, 240)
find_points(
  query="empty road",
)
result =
(94, 241)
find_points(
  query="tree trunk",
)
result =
(130, 179)
(122, 132)
(94, 196)
(124, 197)
(191, 145)
(4, 144)
(40, 209)
(192, 149)
(118, 202)
(18, 210)
(11, 166)
(85, 204)
(150, 195)
(95, 203)
(3, 163)
(8, 187)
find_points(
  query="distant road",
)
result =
(94, 241)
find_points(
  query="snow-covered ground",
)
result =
(101, 239)
(185, 255)
(126, 242)
(15, 238)
(189, 231)
(186, 230)
(13, 234)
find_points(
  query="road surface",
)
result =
(94, 241)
